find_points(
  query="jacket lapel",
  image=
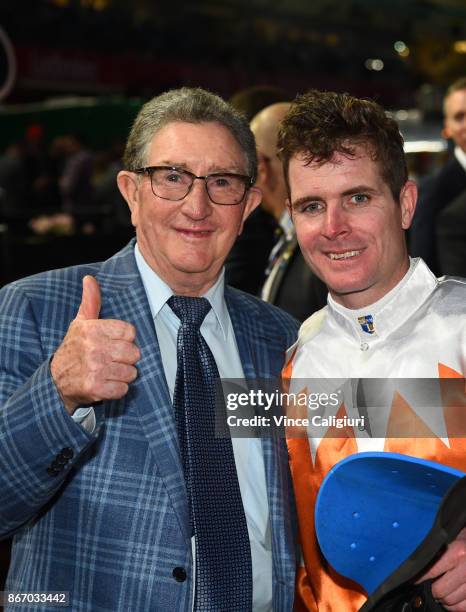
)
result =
(125, 299)
(261, 347)
(262, 356)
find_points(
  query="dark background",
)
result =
(116, 49)
(89, 65)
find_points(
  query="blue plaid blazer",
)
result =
(113, 524)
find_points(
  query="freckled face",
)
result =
(186, 242)
(349, 227)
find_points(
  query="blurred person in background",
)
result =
(75, 180)
(251, 100)
(290, 284)
(13, 183)
(245, 267)
(451, 237)
(28, 180)
(41, 172)
(438, 191)
(107, 196)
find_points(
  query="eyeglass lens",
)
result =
(175, 184)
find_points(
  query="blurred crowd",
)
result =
(62, 187)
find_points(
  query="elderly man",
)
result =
(387, 316)
(113, 482)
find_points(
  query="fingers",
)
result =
(451, 600)
(112, 384)
(112, 329)
(98, 353)
(449, 574)
(120, 372)
(91, 299)
(114, 390)
(89, 310)
(124, 352)
(452, 558)
(96, 359)
(110, 390)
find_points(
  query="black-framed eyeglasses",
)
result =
(172, 183)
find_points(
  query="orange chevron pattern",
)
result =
(319, 587)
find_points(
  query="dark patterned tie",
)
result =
(223, 554)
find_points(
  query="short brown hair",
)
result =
(321, 123)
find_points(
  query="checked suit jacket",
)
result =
(104, 516)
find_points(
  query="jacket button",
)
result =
(67, 453)
(179, 574)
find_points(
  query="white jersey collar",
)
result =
(380, 319)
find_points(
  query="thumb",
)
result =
(91, 301)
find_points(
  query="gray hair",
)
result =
(191, 105)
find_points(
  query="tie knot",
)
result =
(191, 310)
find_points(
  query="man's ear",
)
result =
(129, 188)
(446, 133)
(446, 130)
(262, 169)
(408, 200)
(253, 199)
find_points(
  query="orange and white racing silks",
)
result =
(416, 331)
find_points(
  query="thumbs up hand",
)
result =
(96, 358)
(91, 300)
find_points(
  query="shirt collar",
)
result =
(286, 224)
(380, 319)
(461, 157)
(158, 292)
